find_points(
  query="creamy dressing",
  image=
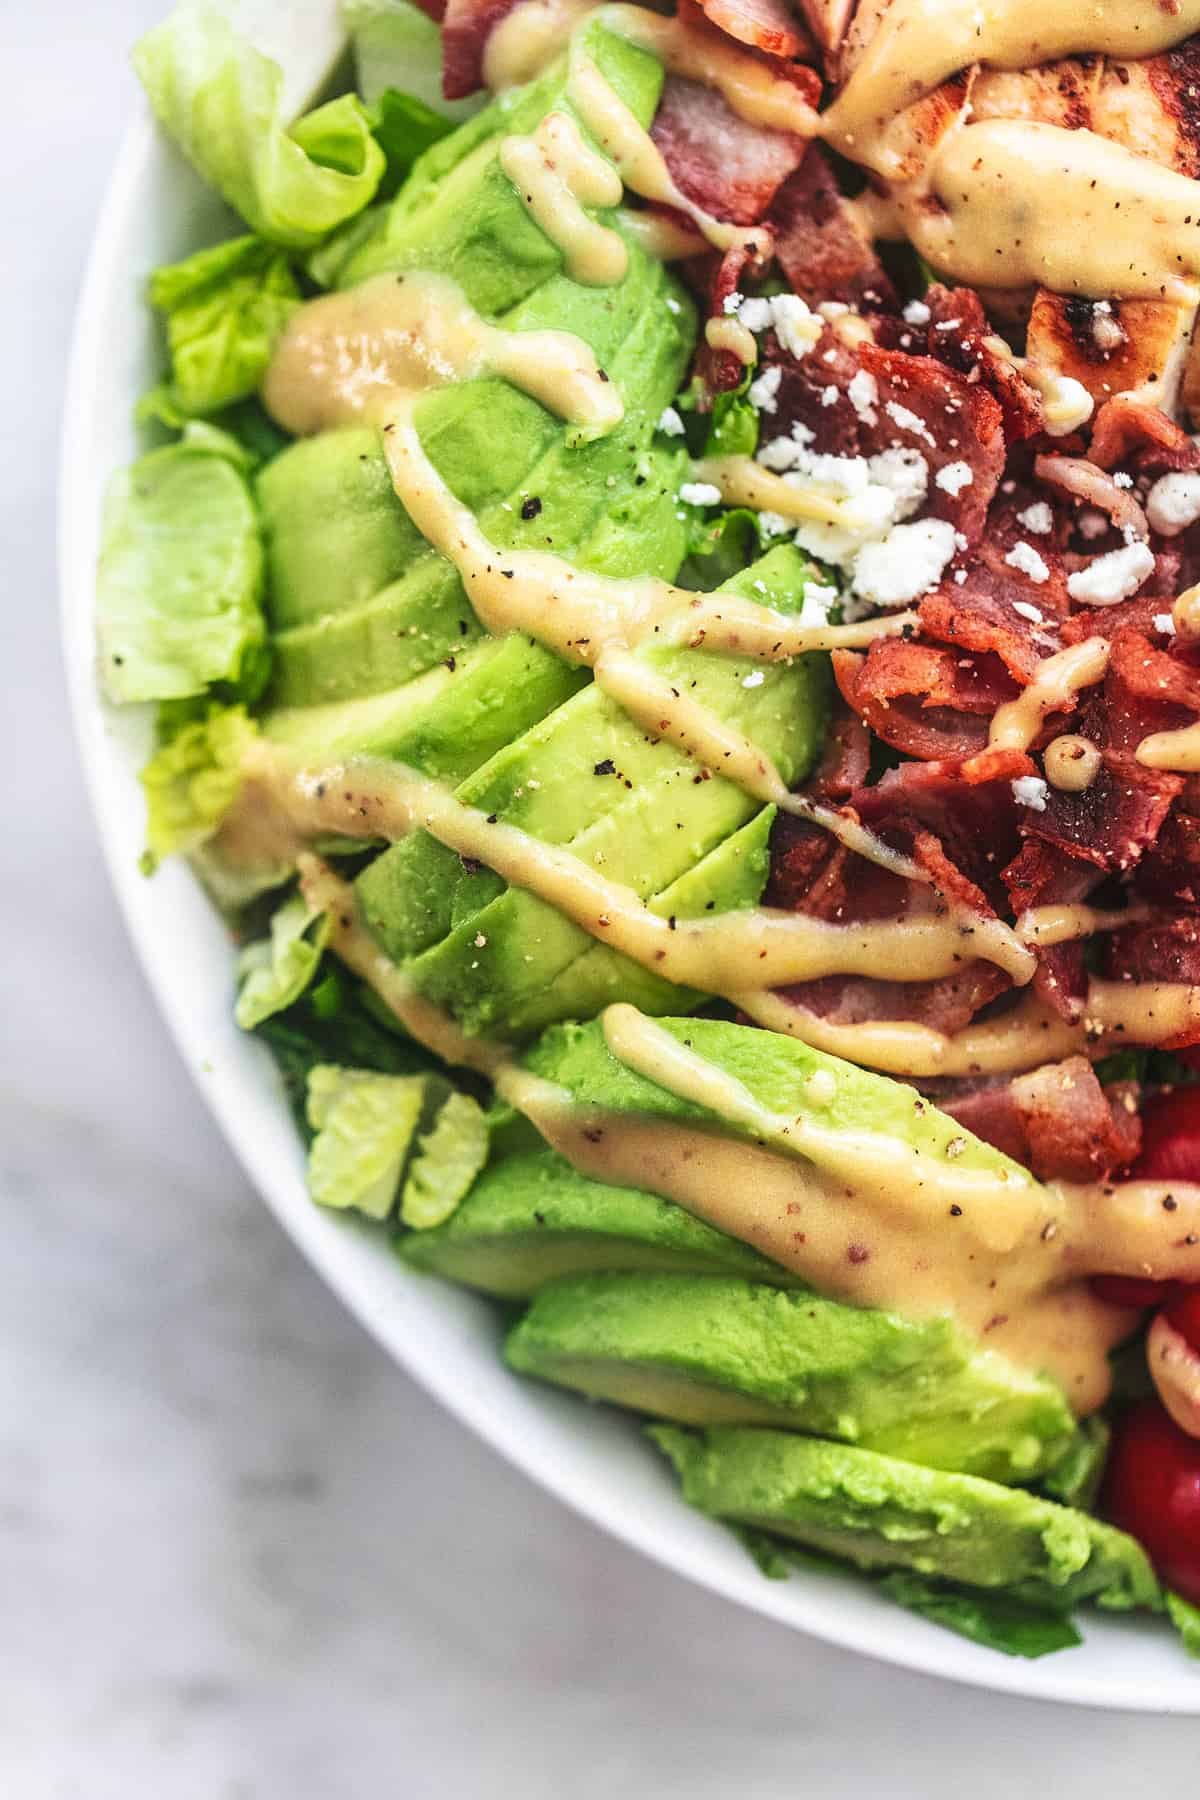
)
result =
(1172, 750)
(744, 482)
(344, 358)
(730, 334)
(557, 175)
(1065, 922)
(1071, 763)
(1016, 724)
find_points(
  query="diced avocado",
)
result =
(704, 1350)
(881, 1513)
(533, 1218)
(775, 1070)
(459, 213)
(446, 1161)
(370, 604)
(589, 778)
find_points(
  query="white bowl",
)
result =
(449, 1340)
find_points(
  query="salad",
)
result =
(667, 561)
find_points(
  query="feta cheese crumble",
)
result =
(917, 313)
(700, 493)
(1173, 503)
(908, 420)
(905, 473)
(862, 394)
(1112, 577)
(795, 326)
(1030, 791)
(954, 477)
(1029, 611)
(1165, 623)
(907, 562)
(670, 422)
(1037, 518)
(763, 391)
(1025, 558)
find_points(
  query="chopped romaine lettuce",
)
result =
(365, 1125)
(221, 100)
(180, 575)
(993, 1619)
(447, 1160)
(192, 780)
(224, 309)
(404, 128)
(275, 971)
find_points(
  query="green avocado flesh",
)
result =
(711, 1350)
(880, 1513)
(532, 1218)
(634, 808)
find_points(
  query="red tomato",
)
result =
(1170, 1137)
(1183, 1312)
(1152, 1491)
(1133, 1290)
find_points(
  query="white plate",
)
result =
(155, 211)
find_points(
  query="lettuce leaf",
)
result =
(1185, 1617)
(404, 129)
(992, 1619)
(365, 1125)
(180, 576)
(192, 780)
(334, 1022)
(398, 46)
(221, 100)
(275, 971)
(225, 309)
(446, 1162)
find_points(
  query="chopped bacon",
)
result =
(1163, 950)
(845, 759)
(947, 1005)
(722, 162)
(466, 28)
(1058, 1120)
(981, 615)
(961, 337)
(1136, 615)
(1127, 431)
(921, 700)
(718, 279)
(1111, 823)
(823, 252)
(1154, 674)
(1085, 481)
(975, 825)
(767, 25)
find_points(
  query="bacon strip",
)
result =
(722, 162)
(821, 248)
(1057, 1120)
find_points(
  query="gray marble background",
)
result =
(241, 1555)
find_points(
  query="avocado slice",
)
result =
(882, 1513)
(531, 1219)
(713, 1350)
(587, 777)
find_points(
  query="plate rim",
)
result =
(80, 484)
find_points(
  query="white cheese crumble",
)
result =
(1112, 577)
(1030, 791)
(732, 302)
(829, 395)
(1173, 503)
(816, 603)
(764, 390)
(954, 477)
(700, 493)
(907, 562)
(1093, 523)
(917, 313)
(1164, 623)
(905, 473)
(1029, 611)
(1066, 403)
(1121, 479)
(754, 679)
(1024, 557)
(796, 327)
(670, 422)
(1037, 517)
(774, 524)
(908, 420)
(862, 394)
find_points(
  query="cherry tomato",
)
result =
(1170, 1137)
(1183, 1312)
(1133, 1290)
(1152, 1491)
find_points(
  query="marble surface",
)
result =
(242, 1557)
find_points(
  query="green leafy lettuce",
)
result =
(446, 1162)
(225, 309)
(365, 1125)
(275, 971)
(221, 100)
(992, 1619)
(192, 780)
(180, 576)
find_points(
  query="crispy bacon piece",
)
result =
(466, 28)
(1057, 1120)
(845, 759)
(1082, 480)
(947, 1005)
(920, 699)
(767, 25)
(1163, 950)
(1128, 433)
(960, 336)
(975, 825)
(823, 251)
(716, 279)
(1113, 822)
(980, 615)
(1137, 615)
(722, 162)
(1154, 674)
